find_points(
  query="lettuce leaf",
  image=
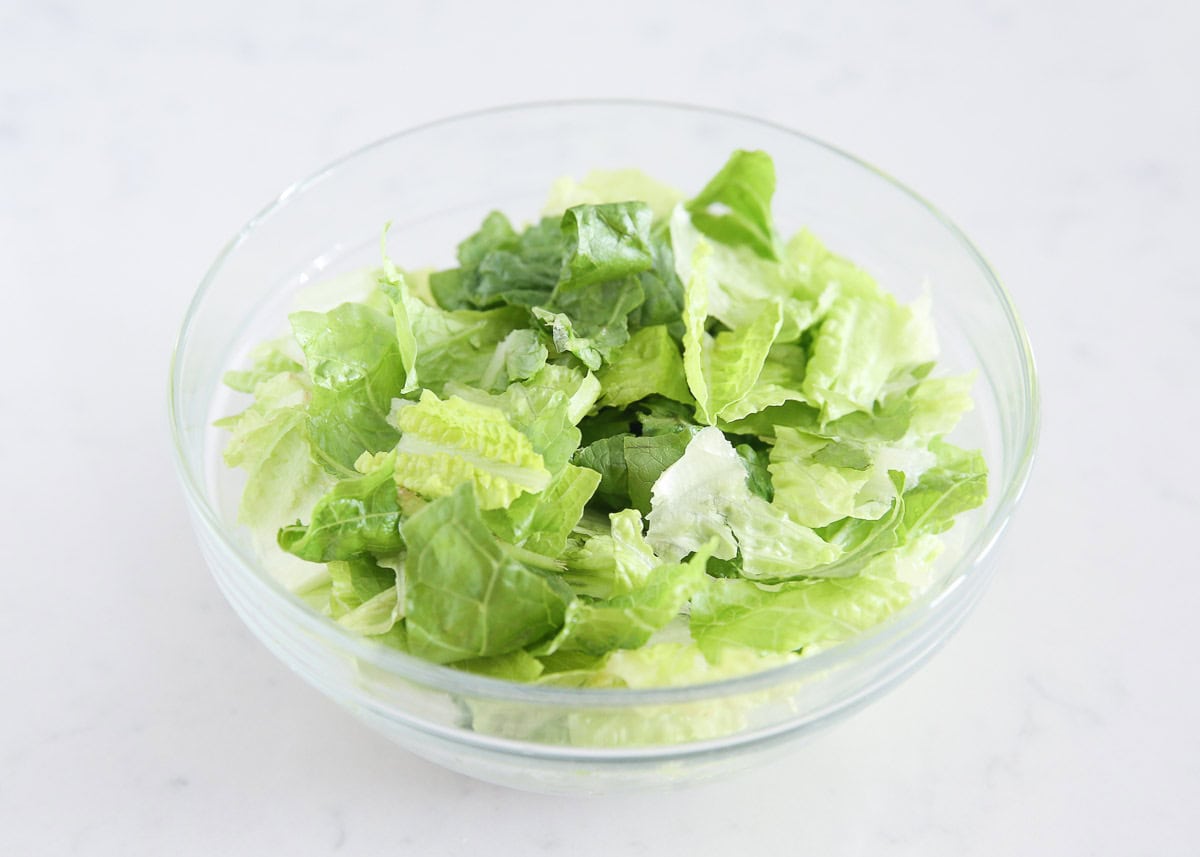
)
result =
(607, 564)
(437, 346)
(542, 522)
(864, 341)
(605, 242)
(630, 465)
(360, 514)
(721, 370)
(500, 267)
(790, 617)
(446, 443)
(356, 581)
(735, 206)
(355, 367)
(269, 359)
(628, 620)
(956, 484)
(649, 364)
(466, 595)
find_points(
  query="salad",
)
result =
(645, 440)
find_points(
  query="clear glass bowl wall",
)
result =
(435, 184)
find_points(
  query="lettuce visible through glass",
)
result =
(646, 440)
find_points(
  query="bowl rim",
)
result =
(905, 624)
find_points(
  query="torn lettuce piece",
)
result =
(268, 359)
(792, 616)
(612, 563)
(542, 522)
(545, 409)
(648, 364)
(520, 356)
(630, 465)
(605, 242)
(865, 339)
(355, 367)
(735, 206)
(705, 495)
(439, 346)
(467, 595)
(445, 443)
(628, 620)
(356, 581)
(957, 483)
(358, 515)
(812, 491)
(269, 440)
(721, 370)
(500, 267)
(692, 499)
(741, 282)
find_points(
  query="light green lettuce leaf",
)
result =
(956, 484)
(542, 522)
(467, 595)
(938, 404)
(628, 620)
(809, 491)
(792, 616)
(567, 341)
(377, 615)
(359, 514)
(583, 390)
(741, 283)
(864, 340)
(355, 367)
(445, 443)
(611, 563)
(721, 370)
(691, 501)
(648, 364)
(515, 666)
(774, 547)
(735, 206)
(541, 409)
(779, 382)
(678, 664)
(705, 496)
(437, 345)
(268, 359)
(270, 442)
(518, 357)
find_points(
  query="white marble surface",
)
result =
(139, 717)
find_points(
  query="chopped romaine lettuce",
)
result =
(643, 441)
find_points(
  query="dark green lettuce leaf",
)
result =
(466, 595)
(630, 465)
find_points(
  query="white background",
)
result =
(137, 716)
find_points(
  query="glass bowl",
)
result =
(435, 183)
